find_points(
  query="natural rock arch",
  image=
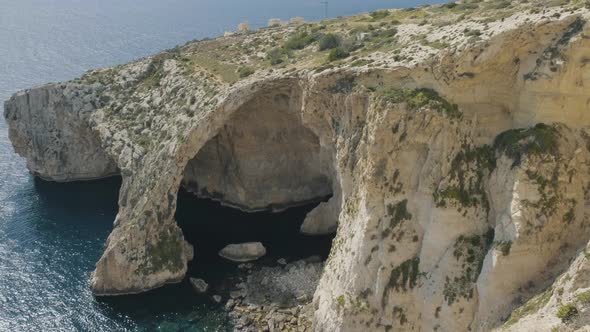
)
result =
(303, 172)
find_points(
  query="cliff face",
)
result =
(456, 160)
(58, 142)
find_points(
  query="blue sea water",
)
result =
(52, 234)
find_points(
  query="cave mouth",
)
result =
(263, 157)
(209, 226)
(257, 180)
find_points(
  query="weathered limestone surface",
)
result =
(262, 158)
(243, 252)
(276, 298)
(58, 143)
(323, 219)
(449, 217)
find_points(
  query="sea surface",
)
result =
(51, 234)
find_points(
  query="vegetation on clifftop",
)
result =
(567, 312)
(541, 139)
(377, 39)
(421, 98)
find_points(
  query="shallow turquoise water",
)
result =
(51, 234)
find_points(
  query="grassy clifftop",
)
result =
(384, 38)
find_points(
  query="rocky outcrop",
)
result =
(452, 143)
(243, 252)
(323, 219)
(276, 298)
(565, 302)
(58, 143)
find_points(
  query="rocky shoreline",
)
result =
(277, 298)
(271, 318)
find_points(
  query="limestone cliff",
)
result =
(453, 141)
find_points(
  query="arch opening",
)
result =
(258, 180)
(263, 158)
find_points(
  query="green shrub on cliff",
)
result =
(387, 33)
(470, 252)
(299, 41)
(403, 277)
(468, 171)
(467, 6)
(341, 300)
(329, 41)
(245, 71)
(419, 98)
(164, 254)
(379, 14)
(584, 297)
(538, 140)
(567, 312)
(500, 5)
(398, 213)
(337, 54)
(471, 33)
(155, 70)
(277, 56)
(504, 247)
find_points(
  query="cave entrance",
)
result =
(256, 180)
(263, 158)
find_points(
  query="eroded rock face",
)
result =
(48, 126)
(323, 219)
(262, 158)
(448, 216)
(568, 294)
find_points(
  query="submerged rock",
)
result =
(230, 304)
(216, 298)
(199, 285)
(243, 252)
(236, 294)
(246, 266)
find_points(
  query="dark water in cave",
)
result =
(209, 226)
